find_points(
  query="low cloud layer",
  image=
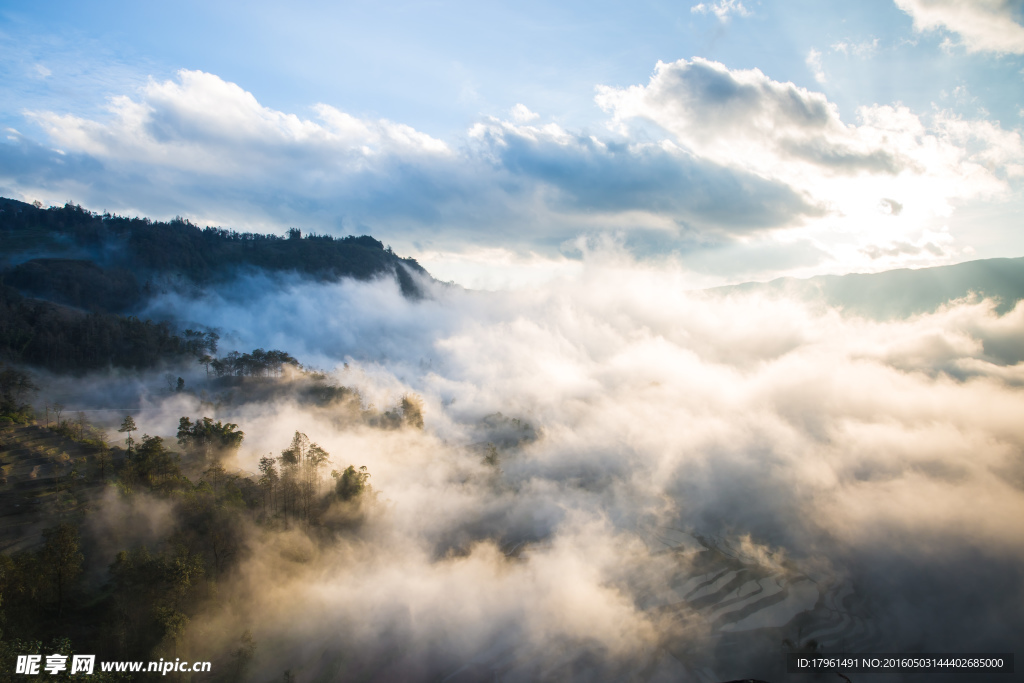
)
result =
(874, 466)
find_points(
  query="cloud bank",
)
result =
(861, 481)
(743, 119)
(701, 158)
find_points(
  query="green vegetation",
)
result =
(352, 483)
(64, 311)
(206, 439)
(259, 363)
(152, 592)
(15, 388)
(127, 427)
(66, 314)
(63, 339)
(77, 283)
(104, 258)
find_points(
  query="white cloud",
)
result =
(41, 71)
(721, 9)
(496, 268)
(983, 25)
(522, 114)
(742, 119)
(813, 62)
(203, 138)
(738, 156)
(651, 185)
(862, 49)
(203, 123)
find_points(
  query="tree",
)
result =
(491, 457)
(102, 460)
(15, 387)
(243, 655)
(205, 361)
(412, 411)
(62, 561)
(317, 459)
(302, 464)
(205, 437)
(292, 480)
(352, 483)
(128, 426)
(156, 466)
(216, 474)
(268, 480)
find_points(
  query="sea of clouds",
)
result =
(884, 454)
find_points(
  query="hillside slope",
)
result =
(903, 292)
(106, 263)
(45, 479)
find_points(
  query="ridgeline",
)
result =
(71, 280)
(108, 263)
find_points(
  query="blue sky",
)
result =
(498, 143)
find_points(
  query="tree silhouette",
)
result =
(352, 483)
(62, 561)
(412, 411)
(128, 426)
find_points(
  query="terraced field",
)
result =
(737, 602)
(45, 478)
(716, 605)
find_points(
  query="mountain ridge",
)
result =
(902, 292)
(109, 263)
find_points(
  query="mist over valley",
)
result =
(612, 476)
(463, 341)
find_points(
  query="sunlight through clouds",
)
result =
(742, 119)
(678, 336)
(983, 25)
(755, 171)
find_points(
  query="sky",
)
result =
(503, 145)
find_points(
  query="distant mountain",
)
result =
(105, 263)
(904, 292)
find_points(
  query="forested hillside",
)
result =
(56, 576)
(104, 262)
(71, 280)
(62, 339)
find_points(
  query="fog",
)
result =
(866, 477)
